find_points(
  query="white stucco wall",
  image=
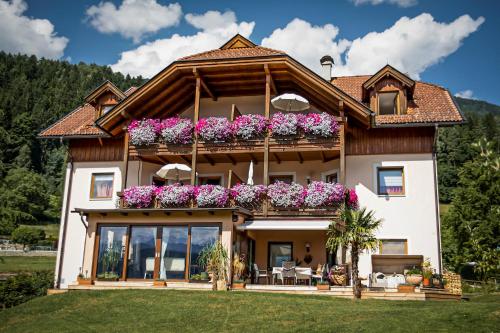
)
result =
(80, 198)
(412, 216)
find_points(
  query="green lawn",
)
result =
(26, 264)
(206, 311)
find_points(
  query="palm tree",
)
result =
(356, 229)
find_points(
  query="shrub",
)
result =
(139, 196)
(177, 130)
(321, 194)
(25, 286)
(286, 195)
(144, 132)
(284, 124)
(211, 196)
(352, 201)
(249, 126)
(248, 195)
(175, 195)
(319, 124)
(27, 236)
(214, 129)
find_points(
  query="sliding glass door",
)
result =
(141, 253)
(201, 237)
(112, 242)
(174, 245)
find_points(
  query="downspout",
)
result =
(65, 221)
(436, 199)
(86, 225)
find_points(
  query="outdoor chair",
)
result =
(318, 275)
(301, 276)
(259, 274)
(150, 267)
(288, 272)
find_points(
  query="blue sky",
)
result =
(442, 46)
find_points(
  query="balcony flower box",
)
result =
(287, 196)
(139, 196)
(214, 129)
(144, 133)
(249, 126)
(174, 195)
(211, 196)
(324, 195)
(177, 131)
(284, 125)
(248, 196)
(319, 125)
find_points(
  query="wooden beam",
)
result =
(125, 159)
(267, 111)
(174, 87)
(209, 159)
(234, 112)
(323, 156)
(174, 100)
(268, 74)
(276, 157)
(195, 121)
(342, 154)
(301, 159)
(255, 161)
(197, 75)
(185, 160)
(231, 159)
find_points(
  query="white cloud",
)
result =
(400, 3)
(22, 34)
(466, 94)
(133, 18)
(411, 44)
(216, 28)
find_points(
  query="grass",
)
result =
(206, 311)
(14, 264)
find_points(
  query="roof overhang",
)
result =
(172, 90)
(104, 87)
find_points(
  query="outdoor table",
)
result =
(301, 270)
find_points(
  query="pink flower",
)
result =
(249, 126)
(139, 196)
(175, 195)
(352, 201)
(214, 129)
(247, 195)
(285, 195)
(319, 124)
(177, 130)
(211, 196)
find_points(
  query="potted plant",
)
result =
(437, 281)
(215, 258)
(139, 196)
(176, 130)
(414, 276)
(144, 132)
(211, 196)
(323, 285)
(84, 280)
(239, 268)
(175, 195)
(214, 129)
(427, 273)
(406, 288)
(322, 125)
(287, 196)
(248, 196)
(160, 283)
(249, 126)
(323, 195)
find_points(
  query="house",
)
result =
(383, 148)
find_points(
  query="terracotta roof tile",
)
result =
(431, 103)
(242, 52)
(79, 122)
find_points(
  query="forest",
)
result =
(34, 93)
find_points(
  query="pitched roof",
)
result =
(430, 104)
(77, 123)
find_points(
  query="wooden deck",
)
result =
(342, 292)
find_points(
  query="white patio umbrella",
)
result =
(290, 102)
(174, 171)
(250, 174)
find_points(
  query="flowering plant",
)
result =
(319, 124)
(177, 130)
(247, 195)
(144, 132)
(284, 124)
(214, 129)
(321, 194)
(175, 195)
(351, 199)
(249, 126)
(139, 196)
(286, 195)
(211, 196)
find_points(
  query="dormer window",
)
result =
(106, 108)
(388, 103)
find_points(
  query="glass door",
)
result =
(111, 253)
(201, 237)
(141, 252)
(173, 253)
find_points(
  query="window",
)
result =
(157, 181)
(388, 103)
(141, 252)
(101, 186)
(390, 181)
(105, 109)
(331, 177)
(111, 251)
(393, 246)
(201, 237)
(282, 178)
(279, 253)
(209, 180)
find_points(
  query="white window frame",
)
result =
(284, 173)
(328, 173)
(217, 174)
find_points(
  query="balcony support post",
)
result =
(125, 159)
(342, 143)
(195, 121)
(266, 139)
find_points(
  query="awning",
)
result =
(318, 224)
